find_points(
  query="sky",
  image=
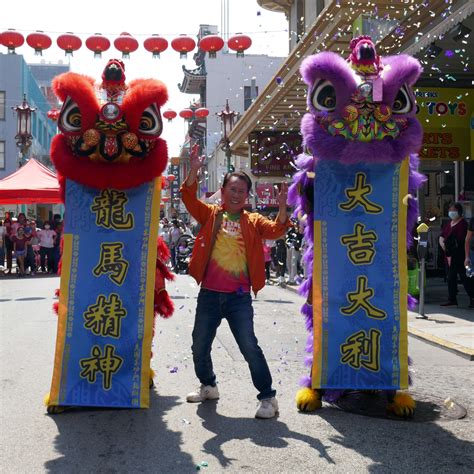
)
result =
(268, 31)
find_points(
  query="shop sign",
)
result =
(273, 153)
(445, 115)
(266, 195)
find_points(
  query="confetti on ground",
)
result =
(173, 370)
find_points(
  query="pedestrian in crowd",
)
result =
(56, 220)
(452, 241)
(20, 243)
(267, 255)
(228, 262)
(7, 223)
(174, 235)
(293, 246)
(2, 245)
(30, 260)
(469, 252)
(57, 247)
(46, 238)
(280, 255)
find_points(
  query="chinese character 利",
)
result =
(360, 299)
(104, 317)
(106, 362)
(109, 208)
(360, 245)
(357, 196)
(362, 350)
(111, 261)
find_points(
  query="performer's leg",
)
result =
(208, 319)
(239, 313)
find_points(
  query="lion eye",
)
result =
(70, 119)
(150, 121)
(324, 96)
(402, 103)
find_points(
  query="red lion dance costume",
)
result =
(109, 157)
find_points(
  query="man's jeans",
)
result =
(212, 307)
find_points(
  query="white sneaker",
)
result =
(204, 392)
(267, 408)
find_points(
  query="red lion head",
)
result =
(110, 132)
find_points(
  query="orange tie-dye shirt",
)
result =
(227, 268)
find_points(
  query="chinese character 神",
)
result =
(107, 363)
(357, 194)
(110, 210)
(104, 317)
(360, 299)
(360, 245)
(112, 261)
(363, 350)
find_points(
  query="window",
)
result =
(2, 155)
(300, 19)
(319, 6)
(249, 95)
(2, 105)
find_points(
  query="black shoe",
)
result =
(449, 303)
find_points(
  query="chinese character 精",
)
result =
(104, 317)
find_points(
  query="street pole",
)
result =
(228, 154)
(422, 231)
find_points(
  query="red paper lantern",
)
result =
(186, 114)
(39, 42)
(12, 40)
(201, 113)
(171, 178)
(156, 45)
(53, 114)
(169, 114)
(165, 198)
(239, 43)
(183, 45)
(69, 43)
(126, 44)
(98, 44)
(211, 44)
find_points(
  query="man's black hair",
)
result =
(238, 174)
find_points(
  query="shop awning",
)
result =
(32, 183)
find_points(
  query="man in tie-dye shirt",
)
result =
(228, 262)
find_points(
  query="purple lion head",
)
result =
(355, 117)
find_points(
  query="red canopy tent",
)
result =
(31, 184)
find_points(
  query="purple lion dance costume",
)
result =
(361, 110)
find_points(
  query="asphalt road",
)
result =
(174, 436)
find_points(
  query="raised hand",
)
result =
(282, 194)
(196, 161)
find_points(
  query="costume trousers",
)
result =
(212, 307)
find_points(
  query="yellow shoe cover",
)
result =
(308, 399)
(403, 405)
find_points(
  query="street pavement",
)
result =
(174, 436)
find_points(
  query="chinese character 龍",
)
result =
(109, 208)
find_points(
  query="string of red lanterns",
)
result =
(125, 43)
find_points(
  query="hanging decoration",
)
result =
(201, 113)
(186, 114)
(171, 177)
(69, 43)
(53, 114)
(211, 44)
(12, 40)
(98, 44)
(156, 44)
(239, 43)
(39, 41)
(126, 44)
(183, 45)
(169, 114)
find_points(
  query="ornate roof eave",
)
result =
(193, 80)
(282, 6)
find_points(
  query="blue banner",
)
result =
(106, 299)
(359, 276)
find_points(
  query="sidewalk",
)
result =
(453, 332)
